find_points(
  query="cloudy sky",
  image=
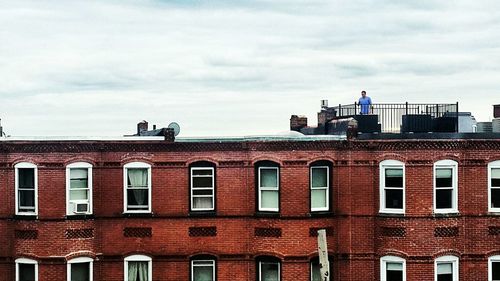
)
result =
(236, 67)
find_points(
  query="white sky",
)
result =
(224, 68)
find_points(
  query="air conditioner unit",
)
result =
(81, 208)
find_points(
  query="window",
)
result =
(138, 268)
(268, 269)
(26, 270)
(26, 189)
(392, 187)
(268, 186)
(320, 188)
(202, 189)
(316, 269)
(494, 268)
(79, 188)
(392, 269)
(445, 186)
(80, 269)
(202, 270)
(446, 268)
(494, 186)
(137, 191)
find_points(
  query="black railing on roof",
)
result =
(404, 118)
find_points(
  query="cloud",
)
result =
(235, 67)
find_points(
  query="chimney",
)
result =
(297, 122)
(496, 111)
(1, 129)
(154, 127)
(142, 127)
(169, 134)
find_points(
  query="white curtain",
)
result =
(139, 178)
(137, 271)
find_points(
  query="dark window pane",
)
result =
(26, 178)
(495, 182)
(445, 277)
(202, 191)
(137, 197)
(26, 198)
(270, 271)
(495, 197)
(26, 272)
(202, 182)
(80, 271)
(319, 177)
(443, 199)
(394, 198)
(495, 270)
(443, 182)
(394, 275)
(207, 172)
(394, 177)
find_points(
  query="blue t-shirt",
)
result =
(365, 104)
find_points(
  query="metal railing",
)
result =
(396, 118)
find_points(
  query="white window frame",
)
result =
(24, 165)
(326, 188)
(277, 189)
(490, 266)
(492, 165)
(26, 261)
(391, 164)
(209, 262)
(453, 165)
(273, 262)
(137, 258)
(135, 165)
(81, 260)
(70, 209)
(390, 259)
(447, 259)
(202, 188)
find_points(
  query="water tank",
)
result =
(484, 127)
(495, 125)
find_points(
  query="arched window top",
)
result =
(138, 258)
(446, 162)
(26, 260)
(79, 165)
(447, 258)
(137, 165)
(495, 163)
(80, 259)
(202, 163)
(25, 165)
(393, 258)
(321, 163)
(267, 163)
(391, 162)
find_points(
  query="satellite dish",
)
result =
(176, 128)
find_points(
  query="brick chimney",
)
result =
(496, 111)
(297, 122)
(142, 127)
(169, 134)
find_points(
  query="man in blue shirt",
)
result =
(365, 103)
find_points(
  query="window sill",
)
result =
(26, 217)
(262, 214)
(80, 217)
(394, 215)
(447, 215)
(202, 213)
(137, 215)
(321, 214)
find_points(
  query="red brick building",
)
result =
(249, 209)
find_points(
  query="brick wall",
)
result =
(359, 235)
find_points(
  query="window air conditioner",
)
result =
(81, 208)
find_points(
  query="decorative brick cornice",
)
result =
(161, 146)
